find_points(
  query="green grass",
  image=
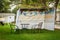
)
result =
(5, 34)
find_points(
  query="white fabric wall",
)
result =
(49, 23)
(33, 21)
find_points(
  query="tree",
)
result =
(4, 5)
(43, 2)
(56, 4)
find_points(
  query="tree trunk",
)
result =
(56, 4)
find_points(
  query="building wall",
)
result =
(7, 17)
(58, 18)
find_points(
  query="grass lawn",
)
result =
(5, 34)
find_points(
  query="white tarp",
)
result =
(31, 20)
(50, 20)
